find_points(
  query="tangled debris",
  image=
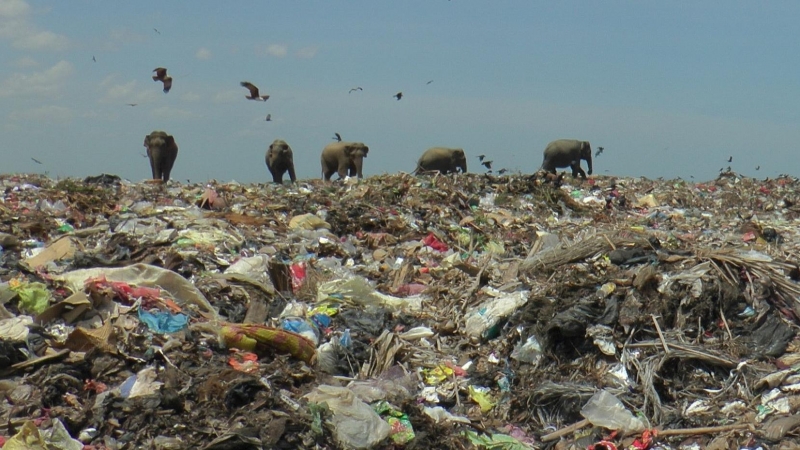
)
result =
(452, 312)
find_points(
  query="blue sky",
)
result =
(668, 88)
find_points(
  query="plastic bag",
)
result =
(480, 320)
(355, 424)
(607, 411)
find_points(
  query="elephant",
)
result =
(441, 159)
(346, 158)
(280, 160)
(162, 151)
(567, 153)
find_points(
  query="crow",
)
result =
(355, 89)
(398, 96)
(502, 171)
(487, 164)
(269, 117)
(480, 157)
(156, 31)
(337, 137)
(429, 82)
(253, 92)
(730, 159)
(36, 160)
(599, 150)
(93, 59)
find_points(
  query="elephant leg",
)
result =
(277, 177)
(343, 170)
(577, 170)
(166, 168)
(291, 173)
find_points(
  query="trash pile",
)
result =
(448, 312)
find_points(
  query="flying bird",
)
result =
(338, 137)
(502, 171)
(398, 96)
(253, 92)
(429, 82)
(355, 89)
(93, 58)
(487, 164)
(132, 104)
(269, 117)
(730, 159)
(156, 31)
(758, 167)
(480, 157)
(599, 150)
(161, 75)
(36, 160)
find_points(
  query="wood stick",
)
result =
(702, 430)
(660, 335)
(565, 431)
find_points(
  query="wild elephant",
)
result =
(162, 152)
(442, 159)
(280, 160)
(344, 158)
(567, 153)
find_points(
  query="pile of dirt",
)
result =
(452, 312)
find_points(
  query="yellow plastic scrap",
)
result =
(308, 222)
(437, 374)
(33, 297)
(324, 308)
(648, 201)
(480, 395)
(495, 248)
(259, 338)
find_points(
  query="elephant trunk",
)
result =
(589, 163)
(358, 162)
(463, 166)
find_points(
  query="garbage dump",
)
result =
(458, 311)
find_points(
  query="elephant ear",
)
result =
(146, 140)
(348, 150)
(366, 150)
(459, 152)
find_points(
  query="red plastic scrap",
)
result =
(645, 441)
(433, 242)
(298, 271)
(749, 236)
(125, 292)
(602, 445)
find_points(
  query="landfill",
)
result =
(462, 311)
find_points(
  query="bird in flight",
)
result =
(480, 157)
(429, 82)
(758, 167)
(253, 92)
(599, 150)
(132, 104)
(398, 96)
(487, 164)
(337, 136)
(502, 171)
(161, 75)
(730, 159)
(93, 58)
(355, 89)
(156, 31)
(36, 160)
(269, 117)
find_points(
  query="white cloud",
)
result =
(16, 26)
(129, 92)
(191, 97)
(47, 83)
(168, 112)
(122, 36)
(47, 113)
(307, 52)
(203, 53)
(26, 62)
(277, 50)
(229, 95)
